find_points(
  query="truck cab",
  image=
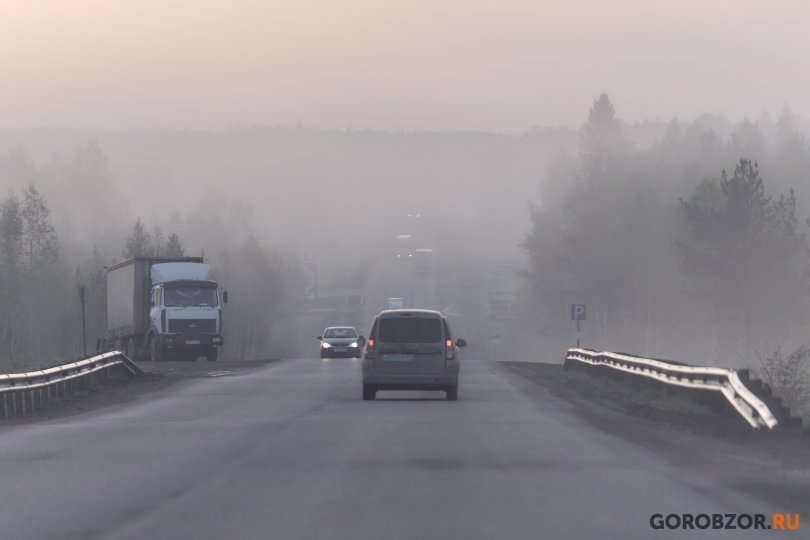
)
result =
(185, 318)
(185, 311)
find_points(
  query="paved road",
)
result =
(291, 451)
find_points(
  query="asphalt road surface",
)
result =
(291, 451)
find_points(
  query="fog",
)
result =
(675, 207)
(422, 65)
(523, 219)
(338, 198)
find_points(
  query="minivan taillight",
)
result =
(370, 349)
(449, 351)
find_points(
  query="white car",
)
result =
(341, 342)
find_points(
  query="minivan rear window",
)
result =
(410, 330)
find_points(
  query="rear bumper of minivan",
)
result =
(411, 382)
(412, 386)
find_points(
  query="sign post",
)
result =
(84, 325)
(578, 313)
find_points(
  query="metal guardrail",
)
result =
(726, 381)
(23, 393)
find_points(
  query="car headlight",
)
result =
(354, 344)
(326, 345)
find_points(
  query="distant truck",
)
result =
(423, 260)
(394, 303)
(162, 307)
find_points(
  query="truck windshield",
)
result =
(189, 296)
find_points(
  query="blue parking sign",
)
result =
(578, 312)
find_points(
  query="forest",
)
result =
(686, 239)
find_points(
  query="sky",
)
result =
(500, 66)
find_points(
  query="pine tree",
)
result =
(748, 248)
(139, 243)
(173, 246)
(11, 230)
(601, 140)
(40, 284)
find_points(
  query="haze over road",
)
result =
(291, 451)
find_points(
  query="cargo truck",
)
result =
(158, 308)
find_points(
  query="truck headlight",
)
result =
(326, 345)
(354, 344)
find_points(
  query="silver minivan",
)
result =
(411, 349)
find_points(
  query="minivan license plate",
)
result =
(195, 342)
(397, 357)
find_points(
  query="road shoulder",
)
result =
(772, 466)
(121, 389)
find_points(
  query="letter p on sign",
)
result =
(578, 312)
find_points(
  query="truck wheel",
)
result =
(452, 393)
(369, 392)
(211, 355)
(155, 353)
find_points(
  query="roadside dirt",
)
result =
(124, 388)
(774, 466)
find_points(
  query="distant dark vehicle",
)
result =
(411, 349)
(341, 342)
(501, 309)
